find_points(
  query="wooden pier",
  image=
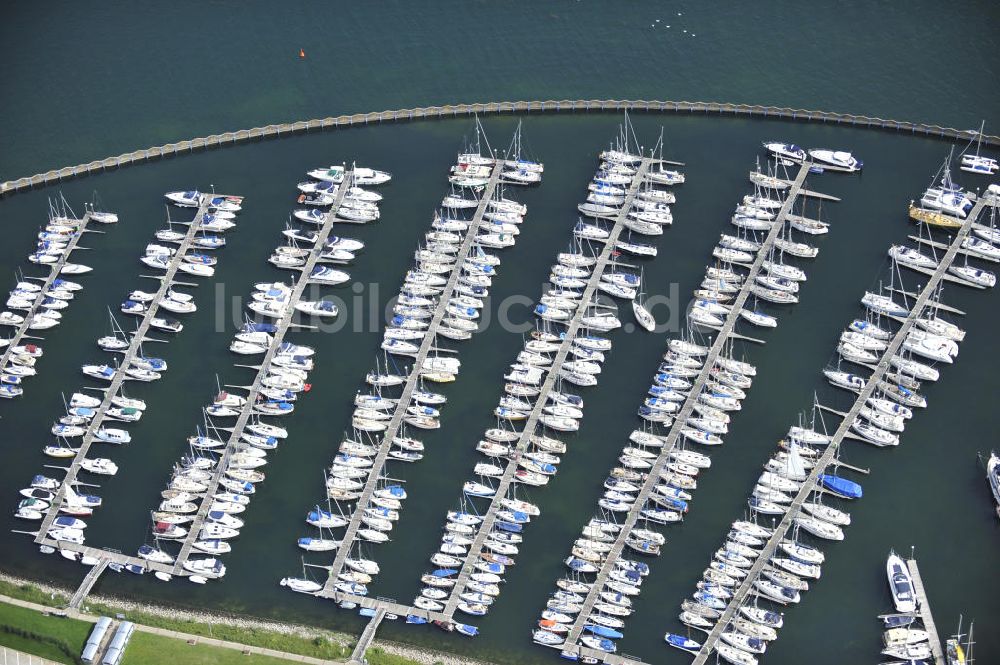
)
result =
(283, 324)
(573, 328)
(89, 580)
(22, 331)
(680, 421)
(367, 635)
(811, 483)
(924, 607)
(489, 108)
(412, 380)
(166, 281)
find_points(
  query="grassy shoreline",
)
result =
(288, 638)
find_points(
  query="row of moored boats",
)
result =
(38, 303)
(441, 299)
(100, 418)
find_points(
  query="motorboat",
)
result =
(788, 151)
(900, 580)
(837, 159)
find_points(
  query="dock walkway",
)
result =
(166, 281)
(358, 655)
(283, 324)
(486, 526)
(811, 483)
(924, 607)
(21, 331)
(673, 436)
(412, 380)
(88, 582)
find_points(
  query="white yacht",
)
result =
(904, 596)
(786, 151)
(837, 159)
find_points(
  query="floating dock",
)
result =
(367, 635)
(283, 325)
(924, 607)
(811, 484)
(166, 281)
(426, 346)
(680, 420)
(89, 580)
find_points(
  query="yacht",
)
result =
(993, 475)
(838, 159)
(786, 151)
(189, 199)
(947, 197)
(900, 584)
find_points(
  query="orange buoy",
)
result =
(302, 53)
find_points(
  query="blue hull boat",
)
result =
(603, 631)
(841, 486)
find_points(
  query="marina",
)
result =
(401, 609)
(306, 276)
(430, 305)
(427, 344)
(532, 424)
(111, 394)
(817, 480)
(678, 431)
(391, 465)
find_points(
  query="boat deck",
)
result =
(812, 481)
(134, 348)
(572, 329)
(674, 434)
(412, 380)
(283, 325)
(22, 331)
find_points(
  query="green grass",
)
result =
(33, 594)
(50, 637)
(318, 647)
(146, 649)
(377, 656)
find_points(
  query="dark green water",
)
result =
(929, 493)
(93, 80)
(88, 80)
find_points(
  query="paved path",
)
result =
(164, 632)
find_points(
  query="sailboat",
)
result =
(948, 197)
(642, 315)
(977, 163)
